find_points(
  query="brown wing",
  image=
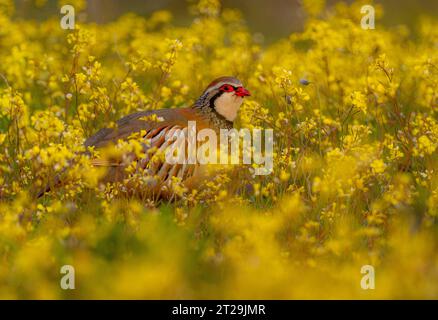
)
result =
(133, 123)
(155, 133)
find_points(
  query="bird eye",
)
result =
(227, 88)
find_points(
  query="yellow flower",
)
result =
(284, 175)
(378, 166)
(425, 145)
(358, 99)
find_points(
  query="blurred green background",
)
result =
(273, 18)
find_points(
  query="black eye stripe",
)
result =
(228, 88)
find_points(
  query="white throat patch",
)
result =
(228, 104)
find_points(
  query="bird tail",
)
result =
(50, 186)
(61, 179)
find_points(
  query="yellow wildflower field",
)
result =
(354, 190)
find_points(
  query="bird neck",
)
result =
(206, 107)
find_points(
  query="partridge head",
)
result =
(225, 95)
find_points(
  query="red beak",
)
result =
(242, 92)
